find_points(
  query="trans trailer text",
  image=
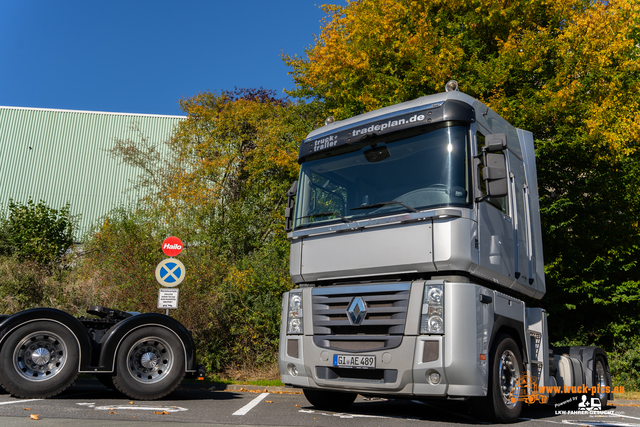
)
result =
(143, 356)
(414, 232)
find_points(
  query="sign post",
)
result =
(170, 272)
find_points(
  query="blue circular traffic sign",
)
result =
(170, 272)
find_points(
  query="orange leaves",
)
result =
(543, 64)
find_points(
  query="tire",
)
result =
(106, 380)
(503, 403)
(150, 364)
(39, 360)
(330, 400)
(601, 378)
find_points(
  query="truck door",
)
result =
(496, 229)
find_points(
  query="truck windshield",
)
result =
(416, 173)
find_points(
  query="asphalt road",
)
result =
(89, 404)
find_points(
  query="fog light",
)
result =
(293, 371)
(433, 377)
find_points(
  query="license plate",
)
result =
(352, 361)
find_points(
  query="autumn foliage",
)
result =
(569, 71)
(220, 187)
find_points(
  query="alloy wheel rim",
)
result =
(150, 360)
(40, 356)
(509, 375)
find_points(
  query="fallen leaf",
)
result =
(161, 412)
(297, 406)
(268, 401)
(27, 409)
(113, 412)
(131, 403)
(35, 417)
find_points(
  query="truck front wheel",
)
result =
(150, 364)
(503, 402)
(39, 360)
(329, 400)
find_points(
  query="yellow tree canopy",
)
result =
(567, 70)
(542, 64)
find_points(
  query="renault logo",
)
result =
(357, 311)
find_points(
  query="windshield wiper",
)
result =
(382, 204)
(327, 214)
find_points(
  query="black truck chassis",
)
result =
(143, 356)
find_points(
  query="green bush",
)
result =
(23, 284)
(36, 232)
(245, 311)
(624, 363)
(231, 305)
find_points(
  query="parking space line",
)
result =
(249, 406)
(133, 407)
(18, 401)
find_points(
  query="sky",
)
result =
(138, 56)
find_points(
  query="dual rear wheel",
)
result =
(41, 359)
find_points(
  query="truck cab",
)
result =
(414, 231)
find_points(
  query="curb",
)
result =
(254, 388)
(622, 402)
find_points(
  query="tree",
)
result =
(566, 70)
(221, 189)
(36, 232)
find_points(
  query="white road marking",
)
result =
(249, 406)
(133, 407)
(351, 416)
(18, 401)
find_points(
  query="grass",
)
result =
(267, 376)
(627, 395)
(216, 378)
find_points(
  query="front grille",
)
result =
(381, 328)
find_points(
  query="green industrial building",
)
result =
(61, 156)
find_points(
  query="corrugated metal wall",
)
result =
(60, 157)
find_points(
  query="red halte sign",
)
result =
(172, 246)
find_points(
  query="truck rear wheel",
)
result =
(503, 402)
(150, 364)
(39, 360)
(330, 400)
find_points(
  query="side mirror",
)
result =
(495, 175)
(289, 210)
(494, 171)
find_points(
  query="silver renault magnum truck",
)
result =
(414, 231)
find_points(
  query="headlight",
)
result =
(432, 321)
(294, 317)
(434, 296)
(295, 326)
(295, 305)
